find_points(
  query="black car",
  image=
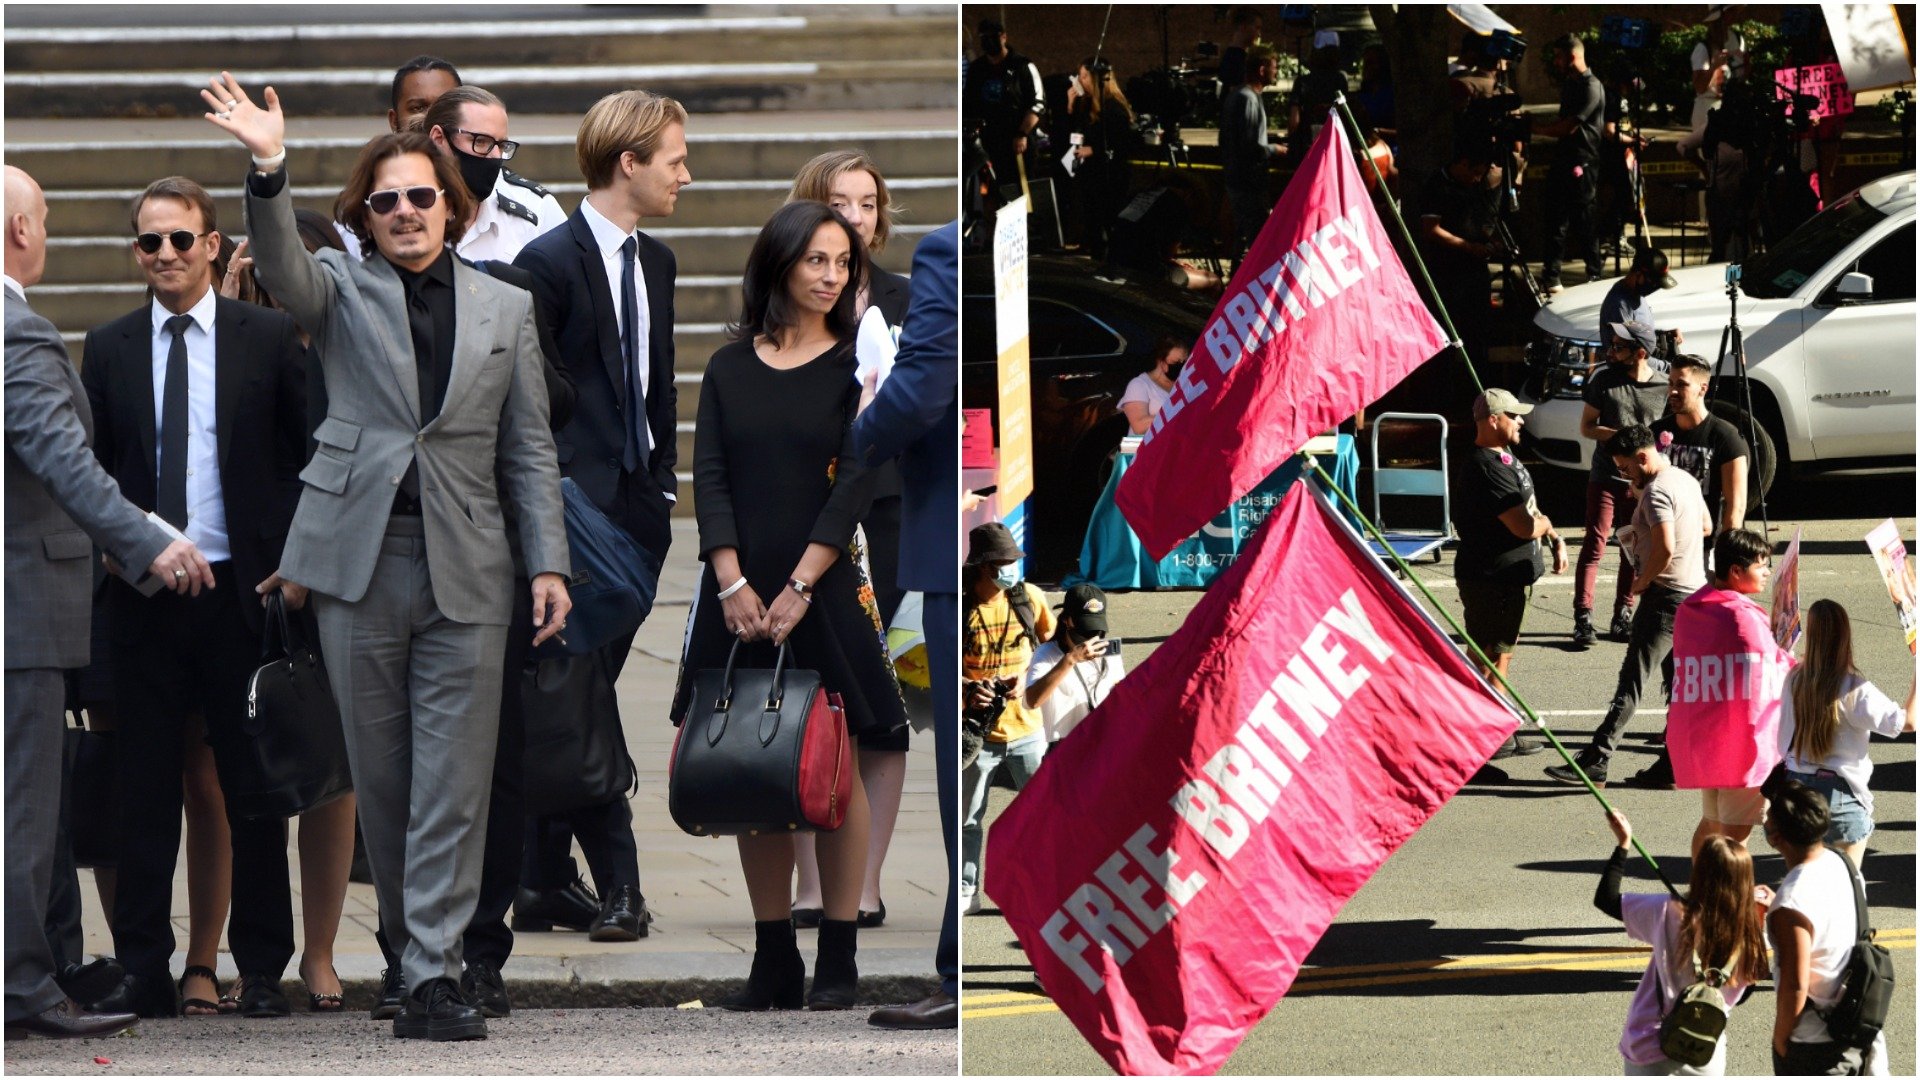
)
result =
(1088, 337)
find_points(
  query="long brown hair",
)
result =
(1815, 685)
(350, 209)
(1720, 920)
(1106, 89)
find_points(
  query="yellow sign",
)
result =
(1015, 479)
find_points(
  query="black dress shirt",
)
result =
(432, 329)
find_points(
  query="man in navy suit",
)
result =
(916, 415)
(606, 289)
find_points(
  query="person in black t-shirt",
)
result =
(1705, 446)
(1001, 92)
(1572, 183)
(1501, 531)
(1457, 229)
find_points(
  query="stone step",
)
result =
(104, 212)
(701, 87)
(86, 154)
(480, 45)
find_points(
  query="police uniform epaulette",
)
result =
(516, 209)
(517, 180)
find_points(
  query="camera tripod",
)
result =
(1733, 344)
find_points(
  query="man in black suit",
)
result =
(201, 407)
(606, 289)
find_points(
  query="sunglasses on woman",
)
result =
(182, 239)
(387, 201)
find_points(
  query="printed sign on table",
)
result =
(1010, 341)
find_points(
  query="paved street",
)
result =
(1476, 948)
(555, 1042)
(699, 947)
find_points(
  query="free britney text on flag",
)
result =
(1320, 321)
(1170, 867)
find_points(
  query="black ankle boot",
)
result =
(779, 976)
(836, 978)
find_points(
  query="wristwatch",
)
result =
(805, 590)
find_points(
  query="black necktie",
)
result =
(171, 500)
(420, 324)
(630, 356)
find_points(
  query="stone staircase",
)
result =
(96, 112)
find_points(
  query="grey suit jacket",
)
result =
(490, 441)
(60, 502)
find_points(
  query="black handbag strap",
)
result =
(277, 642)
(776, 693)
(717, 724)
(1863, 930)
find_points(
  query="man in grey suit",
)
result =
(59, 504)
(436, 413)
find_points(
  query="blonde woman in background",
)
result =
(851, 184)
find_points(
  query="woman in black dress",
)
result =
(1100, 115)
(850, 183)
(778, 489)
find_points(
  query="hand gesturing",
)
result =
(262, 131)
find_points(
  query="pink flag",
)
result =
(1320, 320)
(1723, 724)
(1176, 858)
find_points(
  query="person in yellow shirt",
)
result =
(1005, 620)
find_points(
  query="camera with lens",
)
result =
(984, 717)
(1497, 120)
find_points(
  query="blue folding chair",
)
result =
(1405, 482)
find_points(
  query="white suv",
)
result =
(1828, 321)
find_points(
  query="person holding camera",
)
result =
(1573, 181)
(1072, 674)
(1459, 234)
(1005, 620)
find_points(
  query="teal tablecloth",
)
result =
(1112, 557)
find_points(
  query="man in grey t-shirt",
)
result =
(1663, 543)
(1244, 149)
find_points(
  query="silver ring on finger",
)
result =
(224, 115)
(231, 104)
(179, 574)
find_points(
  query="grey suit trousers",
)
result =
(419, 699)
(35, 698)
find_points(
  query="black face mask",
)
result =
(1173, 370)
(480, 173)
(1647, 287)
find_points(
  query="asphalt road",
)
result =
(695, 1042)
(1476, 949)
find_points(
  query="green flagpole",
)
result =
(1446, 321)
(1474, 648)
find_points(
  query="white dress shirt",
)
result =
(13, 286)
(610, 239)
(206, 508)
(499, 235)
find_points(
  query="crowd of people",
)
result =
(368, 417)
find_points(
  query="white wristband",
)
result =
(267, 165)
(738, 584)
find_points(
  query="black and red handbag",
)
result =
(760, 751)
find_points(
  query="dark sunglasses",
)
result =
(483, 144)
(183, 240)
(387, 201)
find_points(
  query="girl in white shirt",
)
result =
(1149, 391)
(1826, 717)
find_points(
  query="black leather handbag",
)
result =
(291, 755)
(760, 751)
(576, 754)
(93, 797)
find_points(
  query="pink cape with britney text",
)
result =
(1723, 724)
(1320, 320)
(1176, 858)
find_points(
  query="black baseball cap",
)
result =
(1653, 261)
(1086, 605)
(991, 26)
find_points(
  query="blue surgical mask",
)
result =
(1007, 576)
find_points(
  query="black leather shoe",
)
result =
(438, 1013)
(261, 996)
(89, 982)
(148, 997)
(1590, 763)
(572, 908)
(623, 916)
(393, 994)
(68, 1020)
(808, 918)
(486, 990)
(938, 1011)
(867, 920)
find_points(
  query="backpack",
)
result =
(1021, 601)
(1866, 983)
(1690, 1031)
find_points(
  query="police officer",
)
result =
(471, 123)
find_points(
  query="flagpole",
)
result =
(1474, 647)
(1439, 305)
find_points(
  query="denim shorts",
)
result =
(1847, 820)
